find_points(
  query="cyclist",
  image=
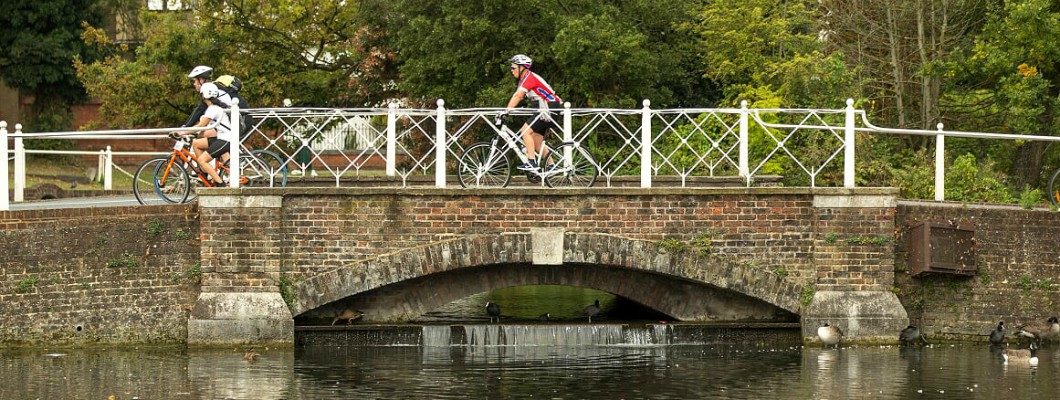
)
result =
(215, 117)
(200, 77)
(536, 127)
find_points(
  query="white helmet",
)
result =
(201, 71)
(210, 90)
(521, 59)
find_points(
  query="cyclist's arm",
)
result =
(204, 121)
(195, 115)
(516, 98)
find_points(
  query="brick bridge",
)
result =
(272, 256)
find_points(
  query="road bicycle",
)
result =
(171, 177)
(489, 164)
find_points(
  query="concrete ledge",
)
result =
(864, 317)
(246, 200)
(240, 318)
(854, 201)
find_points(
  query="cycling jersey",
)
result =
(537, 89)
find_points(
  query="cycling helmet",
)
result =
(521, 59)
(210, 90)
(201, 71)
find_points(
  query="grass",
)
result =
(41, 170)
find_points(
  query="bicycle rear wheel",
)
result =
(1054, 189)
(265, 168)
(579, 170)
(172, 182)
(143, 184)
(483, 166)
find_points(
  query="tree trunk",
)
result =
(896, 66)
(1027, 164)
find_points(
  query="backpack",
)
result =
(232, 85)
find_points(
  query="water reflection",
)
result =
(568, 372)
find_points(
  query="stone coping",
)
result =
(537, 191)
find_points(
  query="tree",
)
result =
(41, 39)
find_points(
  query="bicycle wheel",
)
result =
(144, 181)
(1054, 189)
(172, 182)
(579, 170)
(482, 165)
(277, 168)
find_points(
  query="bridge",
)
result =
(820, 251)
(695, 254)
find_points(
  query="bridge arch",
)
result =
(682, 284)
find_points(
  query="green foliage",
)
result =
(26, 285)
(155, 228)
(673, 245)
(780, 271)
(970, 181)
(287, 290)
(1030, 198)
(126, 261)
(807, 295)
(874, 240)
(831, 237)
(40, 41)
(182, 234)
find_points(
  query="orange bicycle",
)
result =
(171, 177)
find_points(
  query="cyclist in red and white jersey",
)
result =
(536, 127)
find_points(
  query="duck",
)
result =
(910, 335)
(997, 336)
(829, 334)
(592, 310)
(349, 315)
(1039, 332)
(493, 310)
(1022, 356)
(250, 355)
(544, 317)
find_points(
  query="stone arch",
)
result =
(639, 270)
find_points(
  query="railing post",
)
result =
(848, 144)
(940, 165)
(233, 147)
(391, 140)
(5, 204)
(568, 135)
(745, 171)
(101, 162)
(108, 170)
(440, 146)
(20, 166)
(645, 145)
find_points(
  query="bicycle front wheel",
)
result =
(1054, 189)
(143, 183)
(573, 167)
(484, 165)
(172, 182)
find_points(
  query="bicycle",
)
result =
(487, 164)
(170, 180)
(1054, 189)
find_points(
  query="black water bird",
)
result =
(592, 310)
(544, 317)
(830, 334)
(997, 336)
(493, 310)
(912, 335)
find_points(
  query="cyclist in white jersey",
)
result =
(536, 127)
(216, 137)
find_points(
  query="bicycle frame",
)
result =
(513, 140)
(180, 151)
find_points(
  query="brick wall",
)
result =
(107, 275)
(1018, 256)
(854, 247)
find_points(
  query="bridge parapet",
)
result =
(781, 246)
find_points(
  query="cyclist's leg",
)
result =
(217, 148)
(199, 145)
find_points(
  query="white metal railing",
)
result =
(643, 142)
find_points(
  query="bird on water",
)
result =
(1022, 356)
(544, 317)
(493, 310)
(592, 310)
(1039, 331)
(829, 334)
(997, 336)
(912, 335)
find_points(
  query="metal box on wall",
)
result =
(942, 248)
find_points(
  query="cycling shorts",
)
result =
(541, 123)
(216, 147)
